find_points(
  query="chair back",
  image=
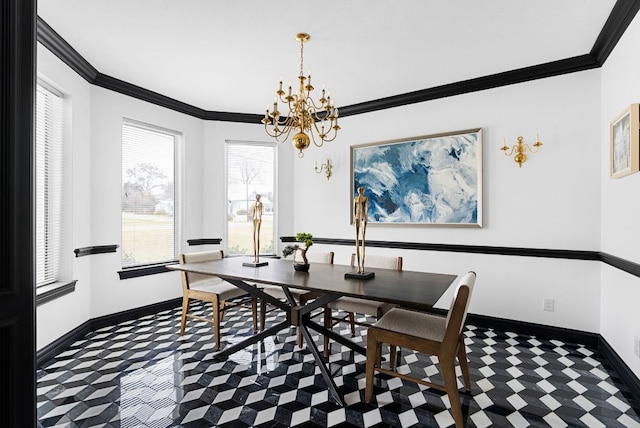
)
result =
(380, 262)
(190, 279)
(457, 314)
(315, 257)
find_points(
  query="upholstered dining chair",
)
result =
(352, 305)
(301, 296)
(440, 336)
(209, 288)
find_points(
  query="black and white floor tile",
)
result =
(142, 373)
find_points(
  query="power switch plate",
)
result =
(548, 304)
(636, 346)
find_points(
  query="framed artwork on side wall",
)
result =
(624, 142)
(427, 180)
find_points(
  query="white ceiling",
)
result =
(229, 55)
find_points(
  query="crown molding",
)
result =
(51, 40)
(126, 88)
(618, 21)
(540, 71)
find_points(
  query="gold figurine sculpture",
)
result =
(361, 213)
(257, 222)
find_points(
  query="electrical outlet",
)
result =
(547, 305)
(636, 346)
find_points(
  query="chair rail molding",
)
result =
(628, 266)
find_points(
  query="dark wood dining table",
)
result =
(408, 289)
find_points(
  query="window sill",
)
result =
(138, 271)
(50, 292)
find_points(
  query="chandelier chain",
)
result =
(301, 58)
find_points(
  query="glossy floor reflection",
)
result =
(142, 373)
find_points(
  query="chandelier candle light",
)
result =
(305, 117)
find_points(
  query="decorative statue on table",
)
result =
(257, 222)
(360, 219)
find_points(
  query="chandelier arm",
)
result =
(287, 122)
(526, 147)
(279, 138)
(329, 136)
(266, 129)
(319, 117)
(328, 140)
(313, 137)
(332, 131)
(532, 150)
(510, 152)
(294, 99)
(313, 104)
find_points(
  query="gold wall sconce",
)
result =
(520, 148)
(326, 167)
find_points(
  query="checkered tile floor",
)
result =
(142, 373)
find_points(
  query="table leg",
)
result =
(324, 370)
(335, 336)
(251, 340)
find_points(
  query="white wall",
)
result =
(552, 202)
(620, 318)
(57, 317)
(109, 293)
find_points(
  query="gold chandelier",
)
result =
(305, 116)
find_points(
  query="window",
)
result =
(250, 170)
(150, 197)
(50, 178)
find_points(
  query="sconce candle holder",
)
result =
(326, 167)
(520, 148)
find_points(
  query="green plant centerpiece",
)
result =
(307, 240)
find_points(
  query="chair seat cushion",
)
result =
(223, 289)
(353, 304)
(426, 326)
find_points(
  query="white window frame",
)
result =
(60, 222)
(225, 240)
(178, 153)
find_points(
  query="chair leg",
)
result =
(303, 301)
(392, 356)
(464, 365)
(216, 319)
(451, 385)
(299, 338)
(254, 312)
(327, 325)
(223, 305)
(263, 309)
(373, 357)
(352, 321)
(185, 310)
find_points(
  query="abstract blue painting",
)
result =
(434, 179)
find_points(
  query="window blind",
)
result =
(50, 132)
(149, 199)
